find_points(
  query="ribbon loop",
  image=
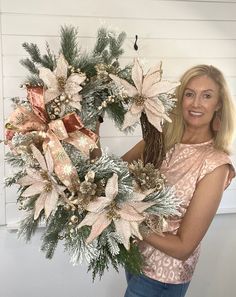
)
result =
(59, 129)
(70, 129)
(72, 122)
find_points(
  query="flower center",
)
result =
(48, 187)
(61, 81)
(88, 188)
(139, 100)
(44, 175)
(112, 211)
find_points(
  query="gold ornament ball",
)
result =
(74, 219)
(67, 207)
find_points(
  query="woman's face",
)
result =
(200, 101)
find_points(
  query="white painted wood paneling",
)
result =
(13, 214)
(187, 10)
(14, 24)
(2, 164)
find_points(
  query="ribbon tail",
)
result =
(36, 98)
(81, 141)
(63, 166)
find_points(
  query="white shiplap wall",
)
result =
(180, 33)
(2, 190)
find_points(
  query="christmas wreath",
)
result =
(96, 207)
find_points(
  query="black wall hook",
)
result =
(135, 43)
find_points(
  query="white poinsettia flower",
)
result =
(59, 85)
(145, 93)
(126, 215)
(41, 182)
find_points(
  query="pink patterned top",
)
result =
(184, 167)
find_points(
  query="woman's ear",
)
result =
(216, 121)
(218, 106)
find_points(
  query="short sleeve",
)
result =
(214, 160)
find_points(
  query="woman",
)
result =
(198, 166)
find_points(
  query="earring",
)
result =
(216, 122)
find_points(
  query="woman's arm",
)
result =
(134, 153)
(197, 219)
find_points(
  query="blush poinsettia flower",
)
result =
(145, 94)
(59, 85)
(42, 183)
(126, 216)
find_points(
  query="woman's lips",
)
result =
(195, 113)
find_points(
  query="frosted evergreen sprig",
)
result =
(11, 180)
(166, 203)
(109, 46)
(78, 250)
(28, 227)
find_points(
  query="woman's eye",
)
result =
(188, 94)
(207, 96)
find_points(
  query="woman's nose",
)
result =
(196, 101)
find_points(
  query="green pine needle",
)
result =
(69, 45)
(132, 259)
(55, 226)
(27, 63)
(102, 41)
(28, 227)
(34, 52)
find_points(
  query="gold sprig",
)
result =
(147, 177)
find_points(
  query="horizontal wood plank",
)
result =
(37, 25)
(198, 10)
(147, 48)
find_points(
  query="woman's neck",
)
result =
(193, 136)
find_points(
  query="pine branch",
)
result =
(131, 259)
(77, 247)
(106, 57)
(108, 46)
(14, 160)
(121, 38)
(33, 50)
(115, 46)
(33, 80)
(87, 63)
(69, 45)
(27, 63)
(49, 59)
(116, 112)
(167, 204)
(101, 263)
(55, 226)
(102, 41)
(28, 227)
(9, 181)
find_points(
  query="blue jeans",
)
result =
(143, 286)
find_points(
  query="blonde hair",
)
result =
(223, 138)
